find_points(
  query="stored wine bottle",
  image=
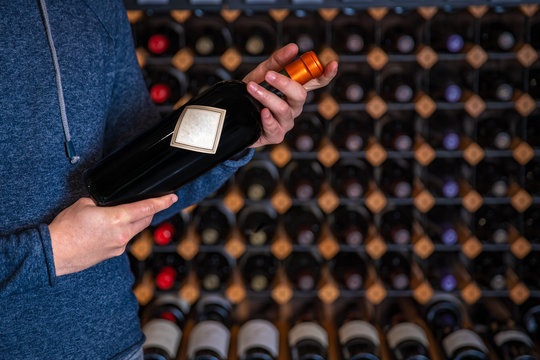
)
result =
(395, 225)
(351, 178)
(492, 223)
(208, 35)
(352, 86)
(307, 133)
(213, 224)
(259, 271)
(203, 76)
(397, 84)
(399, 40)
(304, 270)
(445, 131)
(497, 131)
(532, 174)
(496, 178)
(397, 177)
(308, 339)
(169, 155)
(303, 178)
(209, 338)
(497, 36)
(465, 344)
(166, 85)
(531, 218)
(533, 134)
(359, 339)
(303, 224)
(258, 339)
(258, 179)
(160, 36)
(164, 329)
(447, 84)
(441, 224)
(350, 131)
(257, 224)
(534, 83)
(350, 36)
(446, 37)
(255, 35)
(443, 176)
(349, 270)
(171, 230)
(397, 132)
(444, 315)
(213, 270)
(304, 29)
(349, 224)
(169, 270)
(495, 86)
(530, 317)
(439, 271)
(395, 270)
(488, 270)
(527, 269)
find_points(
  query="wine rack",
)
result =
(293, 198)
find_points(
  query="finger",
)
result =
(275, 62)
(139, 225)
(132, 212)
(295, 93)
(330, 72)
(280, 108)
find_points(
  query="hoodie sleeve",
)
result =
(27, 260)
(131, 111)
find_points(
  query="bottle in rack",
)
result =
(445, 131)
(532, 174)
(398, 40)
(167, 156)
(352, 86)
(497, 37)
(350, 131)
(489, 270)
(397, 84)
(442, 177)
(497, 85)
(202, 76)
(213, 223)
(303, 270)
(531, 218)
(303, 224)
(208, 35)
(446, 83)
(160, 36)
(395, 270)
(349, 270)
(258, 179)
(397, 131)
(303, 178)
(171, 230)
(351, 178)
(358, 339)
(163, 331)
(259, 271)
(534, 83)
(496, 177)
(527, 268)
(305, 29)
(258, 339)
(166, 85)
(307, 133)
(530, 316)
(169, 270)
(255, 34)
(397, 178)
(307, 338)
(350, 224)
(497, 131)
(209, 339)
(213, 270)
(442, 224)
(446, 37)
(493, 223)
(257, 224)
(396, 225)
(349, 35)
(439, 271)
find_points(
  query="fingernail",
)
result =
(174, 198)
(266, 115)
(252, 86)
(271, 76)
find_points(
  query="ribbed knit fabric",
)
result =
(91, 314)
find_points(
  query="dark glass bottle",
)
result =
(496, 132)
(208, 35)
(442, 177)
(213, 224)
(307, 133)
(351, 131)
(303, 224)
(209, 338)
(351, 178)
(303, 270)
(350, 36)
(358, 339)
(439, 271)
(166, 85)
(396, 225)
(441, 224)
(534, 83)
(349, 270)
(352, 86)
(350, 224)
(498, 37)
(496, 177)
(527, 269)
(169, 270)
(465, 344)
(445, 131)
(259, 271)
(305, 29)
(395, 270)
(161, 160)
(258, 339)
(488, 270)
(496, 86)
(202, 76)
(163, 330)
(258, 179)
(257, 224)
(492, 223)
(171, 230)
(161, 36)
(530, 317)
(397, 84)
(397, 178)
(399, 40)
(405, 339)
(447, 38)
(303, 178)
(446, 83)
(255, 35)
(532, 218)
(532, 174)
(443, 315)
(213, 270)
(397, 132)
(307, 339)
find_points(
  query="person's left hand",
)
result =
(279, 113)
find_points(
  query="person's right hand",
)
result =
(84, 234)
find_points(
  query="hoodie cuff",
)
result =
(46, 242)
(240, 159)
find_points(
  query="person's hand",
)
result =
(278, 115)
(84, 234)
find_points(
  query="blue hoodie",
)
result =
(91, 314)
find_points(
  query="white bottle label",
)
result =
(405, 332)
(462, 338)
(172, 299)
(211, 335)
(512, 335)
(199, 129)
(162, 334)
(258, 333)
(308, 330)
(358, 329)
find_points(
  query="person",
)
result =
(71, 82)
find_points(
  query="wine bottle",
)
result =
(350, 131)
(350, 224)
(203, 76)
(445, 131)
(439, 271)
(169, 270)
(213, 223)
(303, 224)
(161, 160)
(496, 86)
(397, 84)
(531, 218)
(442, 177)
(308, 339)
(257, 224)
(349, 270)
(534, 83)
(351, 178)
(259, 271)
(351, 86)
(532, 174)
(164, 329)
(303, 270)
(209, 338)
(171, 230)
(213, 270)
(397, 132)
(465, 344)
(307, 133)
(446, 37)
(161, 36)
(304, 29)
(527, 270)
(208, 35)
(303, 178)
(395, 226)
(497, 132)
(258, 339)
(444, 315)
(349, 36)
(496, 178)
(497, 36)
(533, 134)
(398, 39)
(166, 85)
(255, 35)
(258, 179)
(489, 270)
(493, 222)
(396, 179)
(359, 340)
(446, 83)
(530, 317)
(395, 270)
(441, 224)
